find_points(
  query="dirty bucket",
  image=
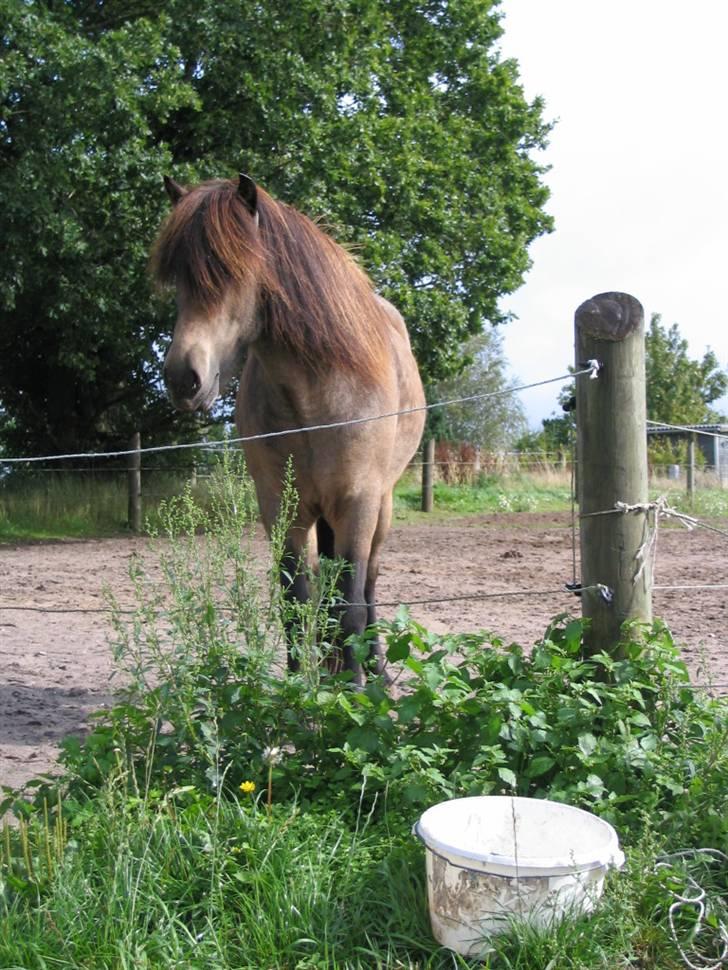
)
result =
(492, 859)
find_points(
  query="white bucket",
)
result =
(493, 859)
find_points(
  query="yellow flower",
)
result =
(247, 787)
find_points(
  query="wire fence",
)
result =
(589, 370)
(451, 465)
(565, 461)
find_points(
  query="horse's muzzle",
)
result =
(187, 391)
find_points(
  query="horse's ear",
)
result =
(248, 192)
(174, 190)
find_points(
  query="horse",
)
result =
(265, 294)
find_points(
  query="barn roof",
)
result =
(674, 429)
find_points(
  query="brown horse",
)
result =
(261, 288)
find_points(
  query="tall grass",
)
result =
(56, 504)
(59, 504)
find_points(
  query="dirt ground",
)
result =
(55, 668)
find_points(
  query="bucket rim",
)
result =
(606, 855)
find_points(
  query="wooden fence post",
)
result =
(134, 468)
(691, 467)
(428, 468)
(612, 457)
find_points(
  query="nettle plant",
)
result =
(207, 697)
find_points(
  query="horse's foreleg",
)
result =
(353, 543)
(370, 588)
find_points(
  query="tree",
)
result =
(556, 435)
(492, 422)
(396, 122)
(78, 184)
(680, 390)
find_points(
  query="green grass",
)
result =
(183, 880)
(188, 882)
(64, 505)
(545, 492)
(710, 502)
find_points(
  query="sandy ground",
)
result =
(55, 668)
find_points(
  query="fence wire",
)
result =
(591, 368)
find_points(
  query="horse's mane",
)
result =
(313, 297)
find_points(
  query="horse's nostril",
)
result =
(194, 382)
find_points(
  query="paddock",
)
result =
(56, 666)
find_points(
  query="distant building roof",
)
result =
(673, 429)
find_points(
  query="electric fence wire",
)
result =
(591, 368)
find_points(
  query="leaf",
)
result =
(587, 744)
(506, 775)
(363, 738)
(539, 766)
(359, 650)
(408, 709)
(415, 793)
(398, 649)
(572, 636)
(640, 719)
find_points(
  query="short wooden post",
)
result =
(428, 476)
(134, 469)
(691, 467)
(612, 452)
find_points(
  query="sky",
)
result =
(639, 172)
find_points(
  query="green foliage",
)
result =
(207, 705)
(80, 168)
(491, 423)
(663, 451)
(679, 389)
(556, 435)
(397, 124)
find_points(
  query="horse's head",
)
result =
(208, 250)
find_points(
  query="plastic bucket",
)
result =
(493, 859)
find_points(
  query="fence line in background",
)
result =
(591, 368)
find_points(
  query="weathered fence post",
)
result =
(428, 469)
(691, 467)
(612, 458)
(134, 469)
